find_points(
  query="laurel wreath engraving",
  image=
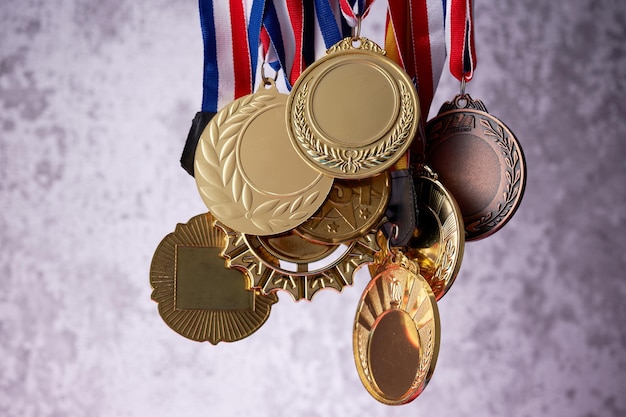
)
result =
(444, 269)
(224, 189)
(513, 175)
(350, 160)
(425, 361)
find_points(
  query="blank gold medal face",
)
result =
(438, 242)
(198, 296)
(480, 161)
(354, 112)
(247, 172)
(396, 335)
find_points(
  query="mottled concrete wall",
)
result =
(95, 101)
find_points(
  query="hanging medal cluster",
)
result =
(342, 172)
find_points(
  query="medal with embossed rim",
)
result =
(354, 112)
(247, 172)
(352, 209)
(438, 242)
(396, 332)
(294, 264)
(198, 296)
(480, 161)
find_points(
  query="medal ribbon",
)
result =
(327, 21)
(285, 23)
(461, 40)
(416, 34)
(352, 17)
(224, 34)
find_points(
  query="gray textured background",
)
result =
(95, 101)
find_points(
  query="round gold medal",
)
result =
(198, 296)
(354, 112)
(480, 161)
(247, 172)
(438, 242)
(353, 208)
(294, 264)
(396, 334)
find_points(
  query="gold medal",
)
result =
(353, 208)
(438, 242)
(247, 172)
(354, 112)
(480, 161)
(198, 296)
(396, 333)
(294, 264)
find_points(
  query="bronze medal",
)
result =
(354, 112)
(198, 296)
(353, 208)
(294, 264)
(480, 161)
(396, 333)
(247, 172)
(438, 242)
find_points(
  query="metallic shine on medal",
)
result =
(438, 242)
(480, 161)
(352, 209)
(294, 264)
(354, 112)
(198, 296)
(396, 333)
(247, 172)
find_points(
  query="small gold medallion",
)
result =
(396, 333)
(480, 161)
(294, 264)
(247, 172)
(438, 242)
(198, 296)
(353, 208)
(354, 112)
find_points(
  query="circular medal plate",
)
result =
(291, 263)
(354, 112)
(198, 296)
(480, 161)
(247, 172)
(438, 242)
(396, 335)
(353, 208)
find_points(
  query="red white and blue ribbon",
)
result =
(227, 73)
(417, 30)
(355, 11)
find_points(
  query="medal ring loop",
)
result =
(356, 31)
(393, 234)
(268, 82)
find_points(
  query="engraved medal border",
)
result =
(201, 325)
(400, 288)
(357, 162)
(223, 186)
(301, 286)
(435, 198)
(511, 157)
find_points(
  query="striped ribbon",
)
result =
(416, 34)
(227, 73)
(460, 39)
(350, 14)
